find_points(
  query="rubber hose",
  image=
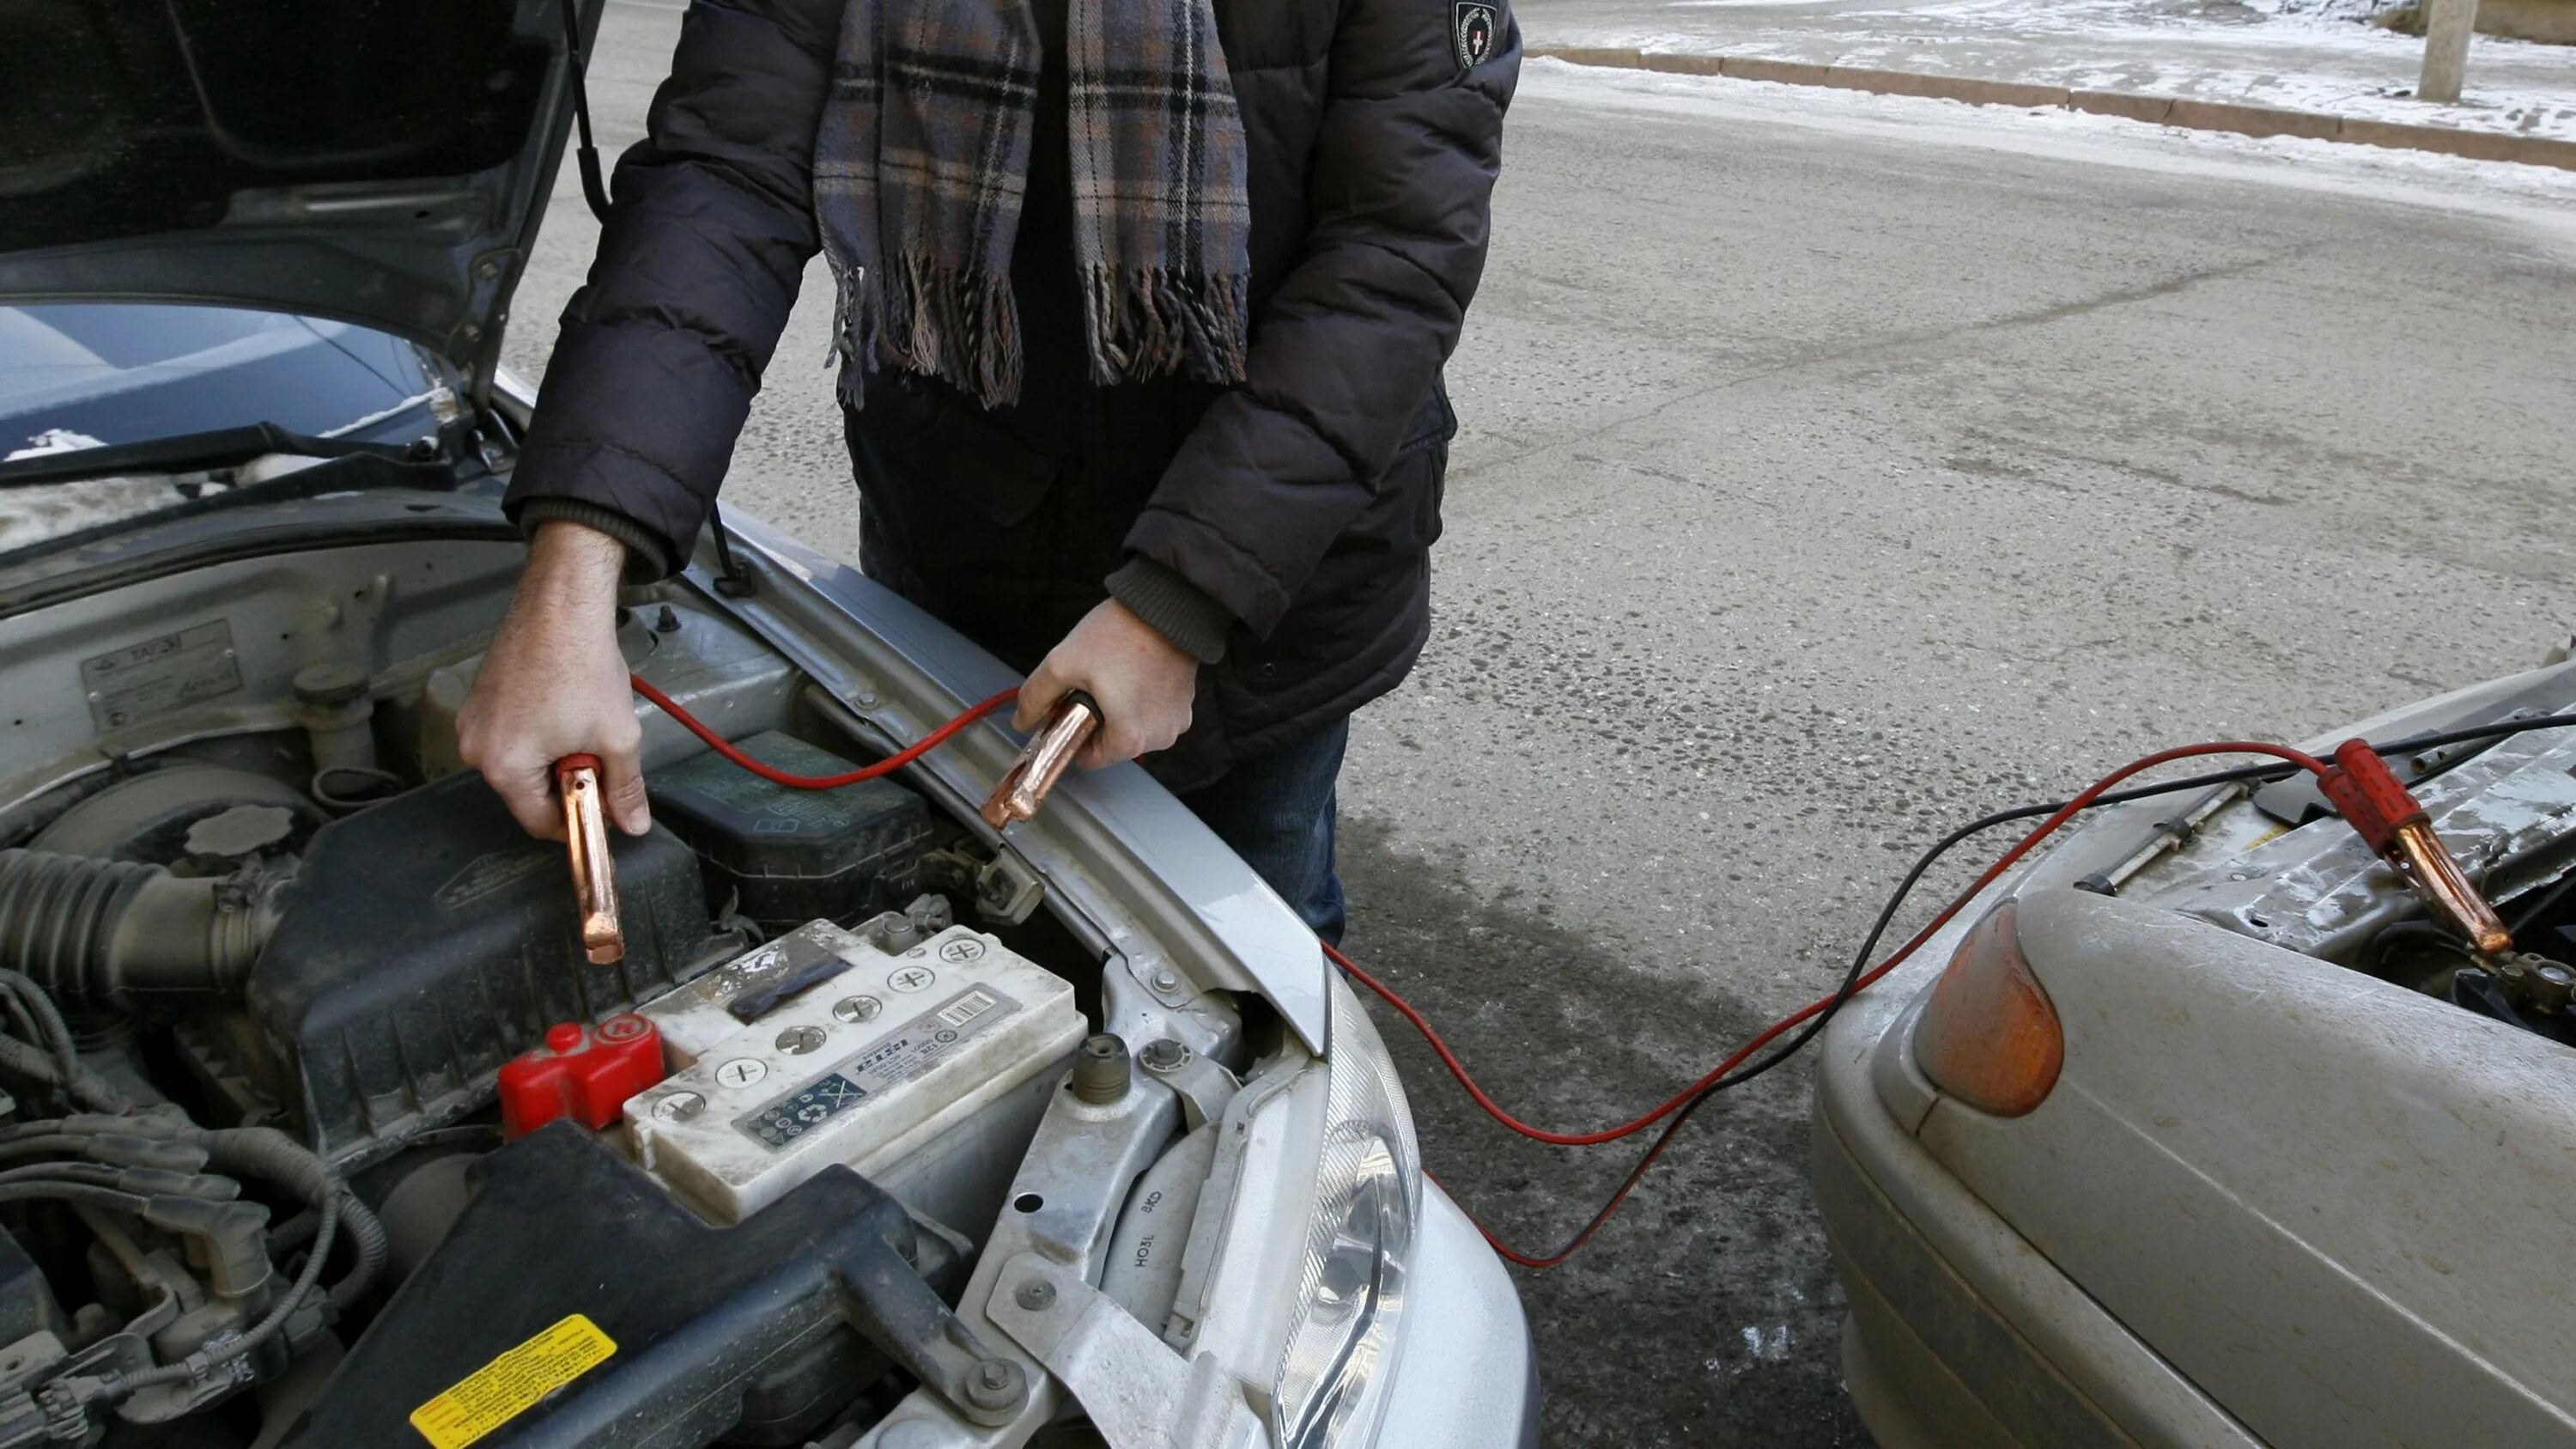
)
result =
(265, 1152)
(38, 1004)
(367, 1237)
(85, 1087)
(103, 931)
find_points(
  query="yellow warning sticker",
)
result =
(510, 1385)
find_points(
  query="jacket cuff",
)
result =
(1179, 610)
(647, 561)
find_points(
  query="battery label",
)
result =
(896, 1058)
(510, 1385)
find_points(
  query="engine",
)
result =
(305, 1063)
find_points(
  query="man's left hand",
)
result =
(1143, 681)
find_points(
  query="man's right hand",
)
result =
(554, 684)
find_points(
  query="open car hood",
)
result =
(380, 164)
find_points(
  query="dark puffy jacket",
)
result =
(1297, 508)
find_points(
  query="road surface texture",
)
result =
(1835, 469)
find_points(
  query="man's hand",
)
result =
(554, 684)
(1143, 681)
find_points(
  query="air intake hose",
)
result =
(110, 932)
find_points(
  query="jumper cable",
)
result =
(2359, 783)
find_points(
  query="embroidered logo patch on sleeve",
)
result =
(1473, 29)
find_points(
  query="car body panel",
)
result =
(2315, 1206)
(1472, 1381)
(1961, 1333)
(2322, 1197)
(179, 168)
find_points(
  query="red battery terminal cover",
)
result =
(583, 1073)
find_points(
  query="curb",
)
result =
(2242, 120)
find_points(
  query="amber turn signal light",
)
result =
(1989, 1036)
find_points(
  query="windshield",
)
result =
(89, 374)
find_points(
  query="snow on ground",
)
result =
(2296, 56)
(2538, 200)
(2340, 12)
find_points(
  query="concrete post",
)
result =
(2448, 25)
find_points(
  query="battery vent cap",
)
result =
(584, 1073)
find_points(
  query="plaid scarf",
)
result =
(921, 162)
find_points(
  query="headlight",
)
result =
(1350, 1288)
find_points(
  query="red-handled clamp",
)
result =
(594, 875)
(2377, 806)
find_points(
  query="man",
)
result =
(1143, 308)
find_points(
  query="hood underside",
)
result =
(377, 163)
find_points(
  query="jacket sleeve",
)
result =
(697, 270)
(1347, 349)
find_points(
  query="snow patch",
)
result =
(54, 440)
(2306, 55)
(36, 514)
(2540, 199)
(2350, 12)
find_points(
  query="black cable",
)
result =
(2241, 774)
(731, 581)
(594, 188)
(1924, 863)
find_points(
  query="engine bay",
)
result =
(2276, 864)
(286, 983)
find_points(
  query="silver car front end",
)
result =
(1328, 1296)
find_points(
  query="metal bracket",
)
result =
(1161, 979)
(903, 1315)
(1204, 1086)
(1063, 1206)
(1138, 1393)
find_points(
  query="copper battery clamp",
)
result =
(2372, 801)
(594, 875)
(1050, 752)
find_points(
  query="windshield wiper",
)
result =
(191, 452)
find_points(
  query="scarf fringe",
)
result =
(853, 334)
(1148, 322)
(953, 323)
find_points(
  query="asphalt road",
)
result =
(1834, 470)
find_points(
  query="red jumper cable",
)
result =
(2359, 783)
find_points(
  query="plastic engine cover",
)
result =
(576, 1306)
(428, 940)
(874, 1060)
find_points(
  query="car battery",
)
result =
(789, 855)
(879, 1053)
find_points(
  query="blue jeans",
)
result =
(1277, 812)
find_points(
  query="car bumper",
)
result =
(1466, 1377)
(1960, 1333)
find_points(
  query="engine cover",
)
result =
(428, 940)
(575, 1305)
